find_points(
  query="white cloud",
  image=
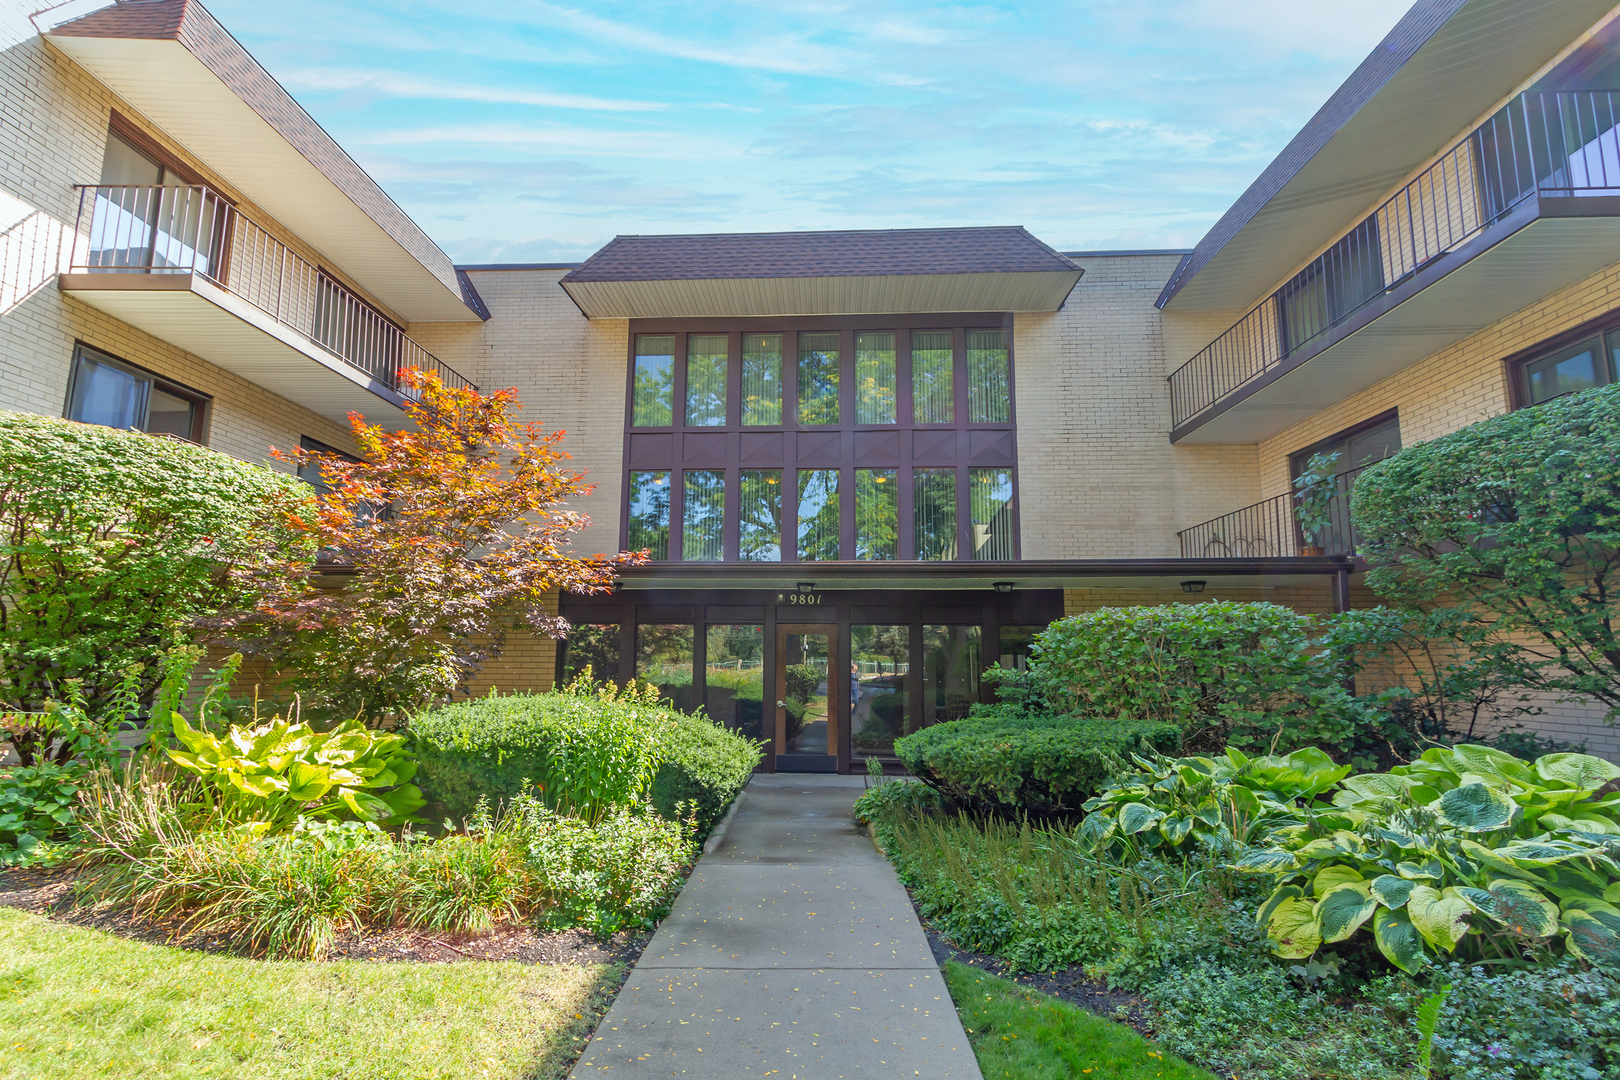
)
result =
(395, 84)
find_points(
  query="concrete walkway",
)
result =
(793, 952)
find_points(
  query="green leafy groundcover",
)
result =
(1003, 759)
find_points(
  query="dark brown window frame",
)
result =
(201, 420)
(678, 459)
(132, 133)
(1514, 364)
(1299, 457)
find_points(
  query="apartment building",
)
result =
(889, 453)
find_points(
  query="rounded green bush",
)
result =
(1005, 760)
(705, 764)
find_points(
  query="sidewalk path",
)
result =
(793, 952)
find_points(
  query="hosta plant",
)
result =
(274, 773)
(1500, 873)
(1216, 803)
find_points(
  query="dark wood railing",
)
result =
(151, 229)
(1270, 529)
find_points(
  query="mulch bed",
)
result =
(50, 893)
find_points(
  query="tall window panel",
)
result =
(952, 660)
(933, 383)
(762, 380)
(818, 514)
(759, 515)
(933, 513)
(706, 380)
(877, 514)
(734, 678)
(989, 387)
(881, 710)
(653, 401)
(703, 515)
(876, 389)
(990, 508)
(818, 379)
(649, 513)
(664, 657)
(594, 646)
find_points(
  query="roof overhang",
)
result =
(179, 68)
(1440, 69)
(853, 295)
(1545, 244)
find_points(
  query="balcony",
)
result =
(1270, 529)
(186, 266)
(1526, 204)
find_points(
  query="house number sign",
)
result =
(798, 599)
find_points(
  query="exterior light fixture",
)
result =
(806, 586)
(1193, 586)
(1002, 586)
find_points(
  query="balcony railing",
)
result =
(145, 229)
(1270, 529)
(1557, 143)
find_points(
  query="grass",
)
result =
(80, 1003)
(1020, 1034)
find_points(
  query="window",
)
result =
(1367, 442)
(990, 508)
(649, 513)
(590, 645)
(1569, 370)
(934, 513)
(762, 380)
(734, 677)
(310, 471)
(759, 516)
(1016, 646)
(147, 214)
(951, 666)
(881, 711)
(933, 387)
(989, 378)
(877, 514)
(818, 379)
(875, 387)
(706, 380)
(653, 395)
(115, 394)
(664, 658)
(818, 515)
(703, 515)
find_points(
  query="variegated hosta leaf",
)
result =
(1282, 892)
(1590, 938)
(1266, 861)
(1485, 761)
(1378, 785)
(1293, 929)
(1176, 829)
(1605, 913)
(1441, 917)
(1097, 829)
(1476, 808)
(1343, 909)
(1138, 817)
(1581, 771)
(1336, 874)
(1517, 906)
(1428, 870)
(1398, 939)
(1391, 891)
(1339, 842)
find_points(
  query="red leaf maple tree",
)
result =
(434, 547)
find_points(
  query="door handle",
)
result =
(781, 704)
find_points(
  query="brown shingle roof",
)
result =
(855, 253)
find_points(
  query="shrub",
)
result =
(705, 765)
(1518, 518)
(898, 798)
(1002, 759)
(112, 544)
(1554, 1023)
(1247, 675)
(584, 753)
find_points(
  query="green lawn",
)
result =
(80, 1003)
(1020, 1034)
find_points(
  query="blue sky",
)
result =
(531, 131)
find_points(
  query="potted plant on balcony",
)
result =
(1314, 492)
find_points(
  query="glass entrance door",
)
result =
(808, 702)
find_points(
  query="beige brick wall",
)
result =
(1098, 477)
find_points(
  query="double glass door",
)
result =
(812, 691)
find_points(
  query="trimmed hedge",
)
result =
(706, 764)
(1006, 760)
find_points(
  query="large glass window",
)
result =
(109, 392)
(877, 514)
(649, 513)
(933, 386)
(653, 403)
(762, 380)
(989, 378)
(594, 646)
(1567, 371)
(703, 515)
(1016, 646)
(734, 678)
(990, 507)
(706, 380)
(664, 658)
(875, 386)
(759, 517)
(818, 379)
(881, 710)
(951, 666)
(818, 514)
(933, 494)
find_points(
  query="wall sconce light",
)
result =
(1002, 586)
(1193, 586)
(806, 586)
